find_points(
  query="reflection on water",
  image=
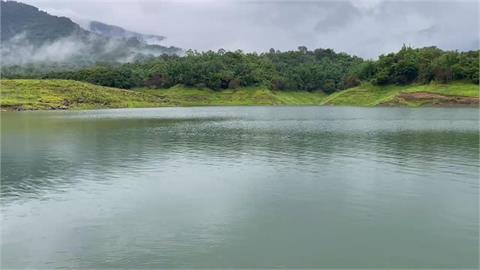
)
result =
(243, 187)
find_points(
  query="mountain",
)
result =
(38, 26)
(114, 31)
(29, 35)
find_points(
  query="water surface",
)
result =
(240, 187)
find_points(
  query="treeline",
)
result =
(421, 66)
(40, 69)
(321, 69)
(302, 69)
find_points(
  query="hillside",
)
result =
(37, 26)
(453, 94)
(114, 31)
(300, 70)
(30, 35)
(187, 96)
(65, 94)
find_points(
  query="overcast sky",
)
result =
(365, 28)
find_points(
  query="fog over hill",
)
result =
(30, 35)
(113, 31)
(366, 28)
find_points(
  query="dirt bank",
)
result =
(431, 99)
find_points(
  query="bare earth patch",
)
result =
(424, 98)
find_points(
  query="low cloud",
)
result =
(365, 28)
(19, 50)
(74, 50)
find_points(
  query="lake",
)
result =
(241, 187)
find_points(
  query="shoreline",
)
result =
(467, 106)
(33, 95)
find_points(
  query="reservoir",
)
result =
(240, 187)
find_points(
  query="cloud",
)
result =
(366, 28)
(74, 49)
(20, 51)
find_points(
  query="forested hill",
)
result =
(114, 31)
(35, 38)
(34, 26)
(36, 44)
(302, 69)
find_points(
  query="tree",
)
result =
(302, 70)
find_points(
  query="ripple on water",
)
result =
(184, 187)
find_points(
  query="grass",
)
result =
(370, 95)
(452, 89)
(245, 96)
(365, 95)
(66, 94)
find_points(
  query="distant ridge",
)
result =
(29, 35)
(114, 31)
(37, 26)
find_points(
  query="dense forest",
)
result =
(302, 69)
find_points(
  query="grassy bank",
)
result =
(453, 94)
(245, 96)
(65, 94)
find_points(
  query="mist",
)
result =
(75, 50)
(364, 28)
(20, 51)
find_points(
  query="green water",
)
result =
(246, 187)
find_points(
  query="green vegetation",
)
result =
(451, 89)
(364, 95)
(300, 76)
(65, 94)
(31, 39)
(421, 66)
(300, 70)
(187, 96)
(452, 94)
(410, 77)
